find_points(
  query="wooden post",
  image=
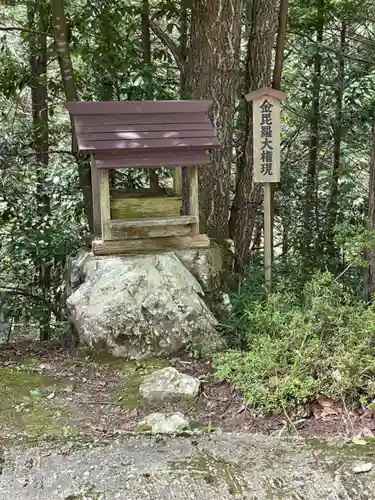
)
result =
(105, 203)
(268, 243)
(193, 197)
(95, 189)
(266, 159)
(177, 180)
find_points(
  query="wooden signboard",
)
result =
(266, 158)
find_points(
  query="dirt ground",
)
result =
(49, 390)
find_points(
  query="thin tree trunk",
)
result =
(214, 66)
(369, 288)
(183, 48)
(310, 201)
(280, 44)
(257, 239)
(107, 83)
(337, 139)
(184, 92)
(149, 90)
(38, 14)
(276, 83)
(261, 19)
(67, 74)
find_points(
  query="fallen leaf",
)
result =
(367, 432)
(44, 366)
(324, 401)
(35, 393)
(327, 411)
(300, 422)
(316, 411)
(363, 467)
(359, 440)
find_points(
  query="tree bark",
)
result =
(147, 56)
(310, 201)
(276, 84)
(38, 16)
(280, 44)
(67, 74)
(337, 139)
(184, 91)
(214, 67)
(369, 288)
(184, 48)
(103, 68)
(261, 17)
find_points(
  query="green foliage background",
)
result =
(313, 335)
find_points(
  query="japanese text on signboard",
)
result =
(266, 139)
(266, 154)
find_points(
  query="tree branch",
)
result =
(25, 293)
(330, 49)
(169, 43)
(26, 30)
(50, 152)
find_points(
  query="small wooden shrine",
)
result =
(143, 134)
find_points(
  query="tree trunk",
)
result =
(337, 139)
(38, 16)
(67, 74)
(184, 92)
(261, 17)
(310, 201)
(184, 49)
(107, 84)
(214, 66)
(147, 68)
(370, 253)
(276, 84)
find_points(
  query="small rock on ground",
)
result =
(169, 384)
(163, 423)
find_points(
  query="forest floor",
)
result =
(49, 391)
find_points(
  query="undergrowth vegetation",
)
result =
(299, 343)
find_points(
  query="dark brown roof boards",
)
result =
(144, 133)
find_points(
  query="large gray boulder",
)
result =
(139, 305)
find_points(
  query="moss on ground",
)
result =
(29, 405)
(132, 372)
(90, 494)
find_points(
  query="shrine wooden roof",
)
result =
(144, 133)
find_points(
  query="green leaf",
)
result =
(35, 393)
(358, 440)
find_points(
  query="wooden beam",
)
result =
(183, 220)
(97, 224)
(193, 197)
(144, 206)
(134, 233)
(105, 203)
(118, 247)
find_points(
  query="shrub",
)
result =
(298, 345)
